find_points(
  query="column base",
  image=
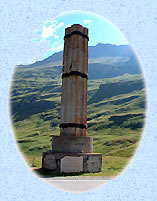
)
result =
(72, 162)
(72, 144)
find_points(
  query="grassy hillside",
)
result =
(116, 111)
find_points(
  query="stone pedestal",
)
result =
(72, 154)
(72, 162)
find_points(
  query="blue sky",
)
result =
(100, 30)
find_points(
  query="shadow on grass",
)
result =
(47, 173)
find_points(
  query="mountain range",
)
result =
(105, 61)
(98, 51)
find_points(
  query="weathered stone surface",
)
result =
(72, 164)
(72, 144)
(49, 162)
(74, 87)
(92, 162)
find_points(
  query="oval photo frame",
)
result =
(116, 102)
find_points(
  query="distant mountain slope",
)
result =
(113, 89)
(105, 61)
(109, 50)
(100, 50)
(101, 70)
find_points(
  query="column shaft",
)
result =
(74, 82)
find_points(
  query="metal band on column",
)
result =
(66, 125)
(76, 33)
(83, 75)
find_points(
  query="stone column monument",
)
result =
(72, 150)
(74, 82)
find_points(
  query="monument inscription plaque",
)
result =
(72, 164)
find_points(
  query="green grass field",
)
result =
(115, 120)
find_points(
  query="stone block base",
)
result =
(72, 162)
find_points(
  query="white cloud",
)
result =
(56, 36)
(87, 21)
(67, 25)
(48, 31)
(60, 25)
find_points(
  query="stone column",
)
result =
(74, 82)
(72, 150)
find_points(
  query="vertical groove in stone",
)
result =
(74, 88)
